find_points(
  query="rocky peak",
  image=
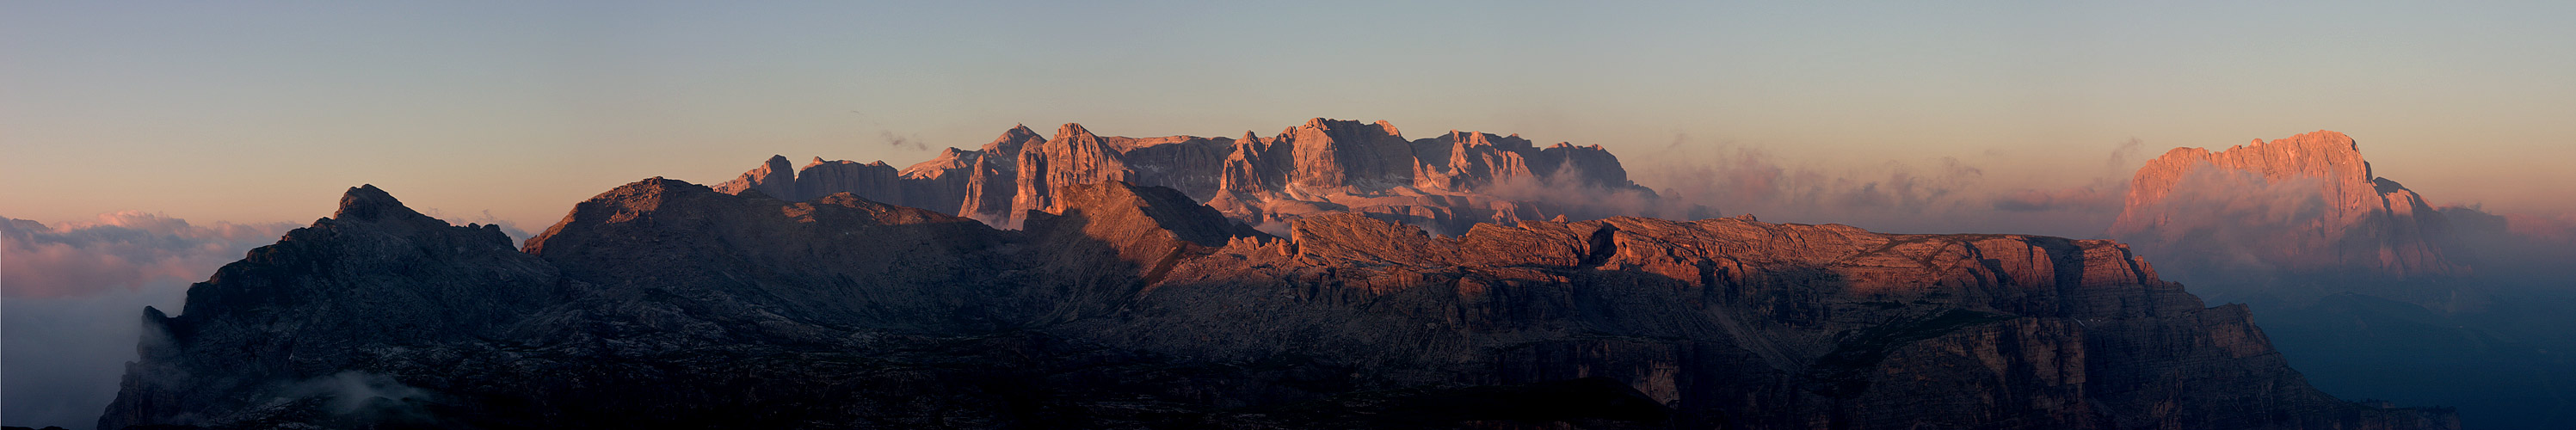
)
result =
(381, 214)
(630, 202)
(1009, 144)
(774, 177)
(1585, 165)
(951, 161)
(1073, 130)
(1322, 165)
(1117, 206)
(1246, 170)
(366, 203)
(1075, 156)
(2305, 204)
(1334, 154)
(2327, 155)
(375, 274)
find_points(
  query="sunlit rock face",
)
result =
(1444, 184)
(2305, 206)
(663, 303)
(2361, 283)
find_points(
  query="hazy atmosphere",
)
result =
(261, 112)
(145, 144)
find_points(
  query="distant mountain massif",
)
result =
(2306, 207)
(2368, 289)
(1444, 184)
(1183, 282)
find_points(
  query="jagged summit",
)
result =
(1324, 165)
(1071, 129)
(366, 202)
(1120, 205)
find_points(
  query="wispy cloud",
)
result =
(1948, 194)
(901, 142)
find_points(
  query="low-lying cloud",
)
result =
(2237, 226)
(2102, 196)
(1949, 195)
(72, 296)
(118, 251)
(353, 392)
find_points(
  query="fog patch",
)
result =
(1947, 195)
(1567, 192)
(2237, 226)
(485, 217)
(352, 392)
(2103, 196)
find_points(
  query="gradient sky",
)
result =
(255, 112)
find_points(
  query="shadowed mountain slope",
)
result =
(663, 303)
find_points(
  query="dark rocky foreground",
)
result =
(667, 304)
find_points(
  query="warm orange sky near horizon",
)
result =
(254, 113)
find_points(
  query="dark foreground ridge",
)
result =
(667, 304)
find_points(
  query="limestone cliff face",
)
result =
(2307, 204)
(663, 303)
(995, 178)
(1073, 157)
(1332, 154)
(772, 178)
(1324, 166)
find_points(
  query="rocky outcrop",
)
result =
(663, 303)
(1444, 183)
(995, 177)
(2306, 206)
(775, 179)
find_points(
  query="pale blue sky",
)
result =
(257, 111)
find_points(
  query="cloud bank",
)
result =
(72, 298)
(120, 251)
(1950, 195)
(71, 301)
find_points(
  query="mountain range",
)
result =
(1445, 184)
(1286, 282)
